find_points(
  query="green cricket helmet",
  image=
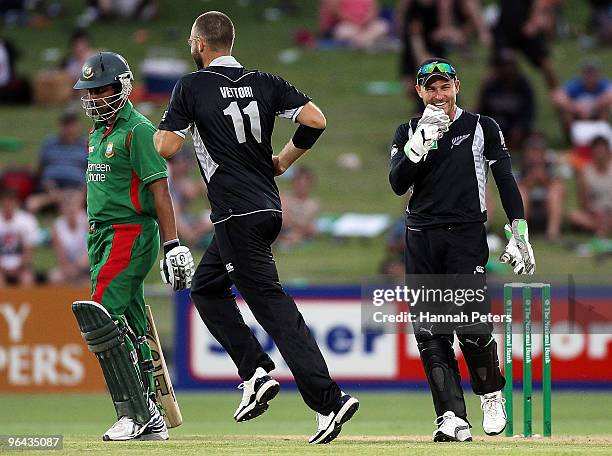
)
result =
(100, 70)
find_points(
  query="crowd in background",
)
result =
(511, 30)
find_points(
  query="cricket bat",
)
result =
(164, 392)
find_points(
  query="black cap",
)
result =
(424, 77)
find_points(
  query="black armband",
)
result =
(305, 137)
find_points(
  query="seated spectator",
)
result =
(507, 97)
(300, 210)
(595, 192)
(21, 179)
(13, 89)
(18, 236)
(184, 189)
(586, 97)
(358, 23)
(125, 9)
(80, 50)
(541, 187)
(63, 161)
(69, 240)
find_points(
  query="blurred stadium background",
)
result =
(362, 96)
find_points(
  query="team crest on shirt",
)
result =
(90, 150)
(110, 151)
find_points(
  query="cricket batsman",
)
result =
(128, 206)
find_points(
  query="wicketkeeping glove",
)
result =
(518, 252)
(431, 127)
(433, 115)
(177, 266)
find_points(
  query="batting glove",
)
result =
(177, 266)
(518, 252)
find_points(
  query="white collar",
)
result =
(226, 61)
(458, 112)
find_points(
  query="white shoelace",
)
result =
(489, 404)
(439, 421)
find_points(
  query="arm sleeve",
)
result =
(146, 162)
(179, 115)
(508, 190)
(402, 171)
(289, 100)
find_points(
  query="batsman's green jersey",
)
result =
(123, 242)
(121, 162)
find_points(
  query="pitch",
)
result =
(387, 423)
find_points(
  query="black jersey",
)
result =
(230, 112)
(448, 186)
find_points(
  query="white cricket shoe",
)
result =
(256, 393)
(124, 429)
(329, 426)
(157, 429)
(494, 413)
(451, 429)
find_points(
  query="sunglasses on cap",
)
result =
(435, 68)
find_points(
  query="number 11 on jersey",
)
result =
(252, 111)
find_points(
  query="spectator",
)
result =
(524, 25)
(430, 28)
(358, 23)
(600, 21)
(507, 97)
(63, 161)
(125, 9)
(586, 97)
(69, 240)
(80, 51)
(18, 236)
(13, 89)
(595, 192)
(184, 189)
(300, 210)
(419, 22)
(541, 188)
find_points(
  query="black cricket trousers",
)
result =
(240, 253)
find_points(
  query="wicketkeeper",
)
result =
(128, 204)
(444, 157)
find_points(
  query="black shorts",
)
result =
(451, 249)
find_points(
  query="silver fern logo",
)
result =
(458, 140)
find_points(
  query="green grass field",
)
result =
(357, 123)
(387, 423)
